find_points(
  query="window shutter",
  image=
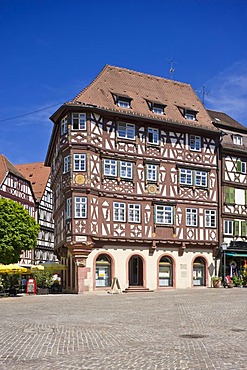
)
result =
(227, 195)
(246, 197)
(155, 214)
(239, 166)
(232, 195)
(236, 228)
(243, 228)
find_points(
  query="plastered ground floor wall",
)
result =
(184, 268)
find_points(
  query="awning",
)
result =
(237, 254)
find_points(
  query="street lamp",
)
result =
(224, 248)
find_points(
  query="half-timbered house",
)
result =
(233, 197)
(39, 176)
(14, 186)
(134, 175)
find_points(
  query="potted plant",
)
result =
(216, 281)
(44, 281)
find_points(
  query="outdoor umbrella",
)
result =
(12, 268)
(53, 266)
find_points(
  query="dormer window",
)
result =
(237, 139)
(122, 101)
(190, 114)
(158, 109)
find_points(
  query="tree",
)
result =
(18, 231)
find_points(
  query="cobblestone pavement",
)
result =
(193, 329)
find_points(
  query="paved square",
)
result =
(193, 329)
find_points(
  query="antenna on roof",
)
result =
(204, 92)
(172, 69)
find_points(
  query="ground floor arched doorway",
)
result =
(199, 272)
(135, 271)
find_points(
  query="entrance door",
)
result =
(199, 272)
(135, 271)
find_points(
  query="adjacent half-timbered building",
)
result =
(14, 186)
(39, 176)
(234, 193)
(134, 176)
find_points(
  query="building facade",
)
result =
(233, 161)
(135, 181)
(39, 176)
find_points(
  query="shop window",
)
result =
(199, 278)
(165, 272)
(103, 271)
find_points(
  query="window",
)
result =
(153, 136)
(190, 114)
(79, 121)
(237, 139)
(152, 172)
(164, 215)
(110, 167)
(191, 217)
(210, 218)
(195, 143)
(64, 126)
(158, 108)
(123, 102)
(68, 210)
(126, 130)
(134, 213)
(126, 170)
(200, 178)
(79, 162)
(185, 176)
(80, 207)
(241, 167)
(228, 227)
(119, 212)
(66, 164)
(103, 271)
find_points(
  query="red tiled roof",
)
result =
(37, 174)
(6, 166)
(223, 119)
(143, 88)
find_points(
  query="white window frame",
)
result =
(195, 143)
(80, 162)
(153, 136)
(110, 167)
(237, 139)
(122, 103)
(186, 176)
(80, 207)
(134, 213)
(152, 172)
(64, 125)
(228, 227)
(68, 211)
(201, 178)
(190, 116)
(157, 109)
(243, 167)
(164, 215)
(126, 170)
(192, 217)
(80, 120)
(66, 164)
(126, 130)
(119, 212)
(210, 218)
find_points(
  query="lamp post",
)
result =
(224, 248)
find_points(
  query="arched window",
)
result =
(199, 276)
(165, 272)
(103, 271)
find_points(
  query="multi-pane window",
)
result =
(119, 212)
(163, 215)
(228, 227)
(66, 164)
(195, 143)
(80, 207)
(110, 167)
(190, 114)
(237, 139)
(79, 162)
(79, 121)
(123, 102)
(126, 170)
(191, 217)
(68, 210)
(200, 178)
(158, 108)
(241, 166)
(64, 126)
(210, 218)
(153, 136)
(152, 172)
(185, 176)
(126, 130)
(134, 213)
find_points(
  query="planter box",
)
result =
(42, 291)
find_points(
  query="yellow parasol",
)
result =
(53, 266)
(12, 268)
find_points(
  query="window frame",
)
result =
(154, 132)
(119, 212)
(195, 143)
(66, 164)
(80, 209)
(192, 217)
(127, 128)
(81, 162)
(123, 102)
(227, 230)
(127, 166)
(237, 139)
(210, 218)
(111, 166)
(202, 176)
(162, 212)
(150, 171)
(134, 213)
(64, 125)
(186, 176)
(68, 210)
(82, 126)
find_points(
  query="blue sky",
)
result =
(52, 49)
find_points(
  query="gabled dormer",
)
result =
(121, 100)
(188, 113)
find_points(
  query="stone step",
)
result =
(136, 289)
